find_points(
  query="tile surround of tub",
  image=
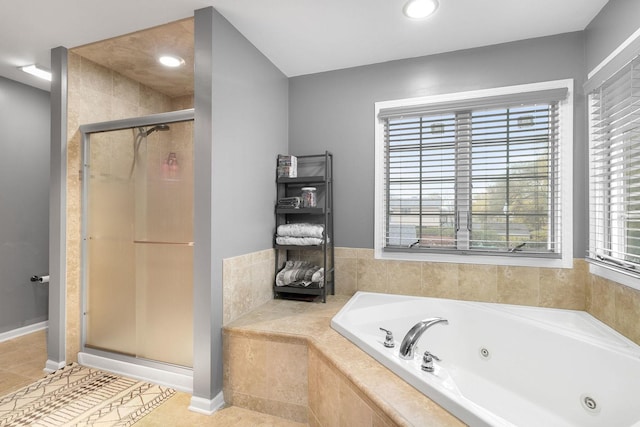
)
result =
(358, 270)
(266, 374)
(334, 400)
(575, 289)
(339, 385)
(616, 305)
(96, 94)
(247, 282)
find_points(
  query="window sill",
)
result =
(519, 261)
(610, 273)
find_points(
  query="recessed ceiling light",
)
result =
(420, 9)
(171, 61)
(37, 71)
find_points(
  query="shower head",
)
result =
(160, 128)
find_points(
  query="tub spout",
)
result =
(411, 339)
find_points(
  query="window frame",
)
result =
(566, 180)
(611, 268)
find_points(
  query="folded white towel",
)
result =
(298, 241)
(301, 229)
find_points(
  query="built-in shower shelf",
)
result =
(159, 242)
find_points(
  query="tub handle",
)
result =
(427, 361)
(388, 339)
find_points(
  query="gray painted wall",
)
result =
(245, 97)
(335, 111)
(250, 128)
(24, 203)
(617, 20)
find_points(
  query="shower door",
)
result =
(138, 242)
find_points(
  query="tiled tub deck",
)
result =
(284, 359)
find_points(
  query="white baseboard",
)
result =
(15, 333)
(52, 366)
(206, 406)
(177, 381)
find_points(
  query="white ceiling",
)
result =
(298, 36)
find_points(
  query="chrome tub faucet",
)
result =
(411, 339)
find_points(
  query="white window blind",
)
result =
(614, 238)
(484, 179)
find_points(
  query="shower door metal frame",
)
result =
(86, 131)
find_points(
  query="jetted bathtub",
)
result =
(505, 365)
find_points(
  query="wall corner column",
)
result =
(56, 340)
(207, 304)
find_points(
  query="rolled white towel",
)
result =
(300, 273)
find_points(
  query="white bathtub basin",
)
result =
(505, 365)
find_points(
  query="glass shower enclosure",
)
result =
(137, 239)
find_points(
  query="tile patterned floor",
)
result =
(22, 360)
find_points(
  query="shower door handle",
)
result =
(160, 242)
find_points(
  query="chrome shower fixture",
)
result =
(142, 136)
(160, 128)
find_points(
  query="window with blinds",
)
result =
(614, 199)
(480, 180)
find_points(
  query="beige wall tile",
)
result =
(627, 308)
(93, 77)
(440, 280)
(328, 396)
(126, 90)
(151, 102)
(518, 285)
(346, 276)
(562, 288)
(313, 421)
(247, 282)
(404, 277)
(602, 302)
(379, 420)
(313, 392)
(478, 282)
(182, 102)
(354, 412)
(226, 371)
(287, 374)
(247, 366)
(285, 410)
(372, 275)
(73, 301)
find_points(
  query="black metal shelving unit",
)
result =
(321, 177)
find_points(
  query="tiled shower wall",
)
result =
(96, 94)
(248, 278)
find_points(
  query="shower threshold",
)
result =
(177, 377)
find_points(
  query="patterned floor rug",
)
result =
(80, 396)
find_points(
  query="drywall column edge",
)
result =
(57, 212)
(207, 336)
